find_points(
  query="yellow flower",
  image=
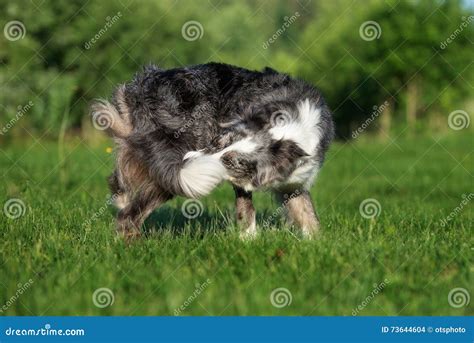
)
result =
(108, 150)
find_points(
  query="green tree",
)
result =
(398, 58)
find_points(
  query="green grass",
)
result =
(417, 182)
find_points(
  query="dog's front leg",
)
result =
(301, 212)
(245, 213)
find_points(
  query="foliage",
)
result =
(357, 75)
(58, 67)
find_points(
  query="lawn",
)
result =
(404, 261)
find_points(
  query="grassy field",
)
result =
(404, 261)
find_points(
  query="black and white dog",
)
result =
(183, 131)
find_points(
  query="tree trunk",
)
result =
(413, 89)
(385, 121)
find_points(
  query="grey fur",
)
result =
(205, 108)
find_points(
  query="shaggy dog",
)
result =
(183, 131)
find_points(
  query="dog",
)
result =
(182, 131)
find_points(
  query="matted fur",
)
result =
(183, 131)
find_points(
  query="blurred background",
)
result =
(385, 67)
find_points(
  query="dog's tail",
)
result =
(200, 174)
(115, 120)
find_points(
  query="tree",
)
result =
(377, 53)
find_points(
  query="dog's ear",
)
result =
(283, 156)
(285, 152)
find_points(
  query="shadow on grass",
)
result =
(170, 219)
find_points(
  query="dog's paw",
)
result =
(131, 237)
(249, 233)
(248, 236)
(128, 234)
(310, 232)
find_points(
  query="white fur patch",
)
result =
(202, 173)
(121, 201)
(192, 154)
(249, 232)
(302, 130)
(246, 145)
(303, 175)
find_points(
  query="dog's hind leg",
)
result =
(133, 215)
(119, 194)
(245, 213)
(300, 211)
